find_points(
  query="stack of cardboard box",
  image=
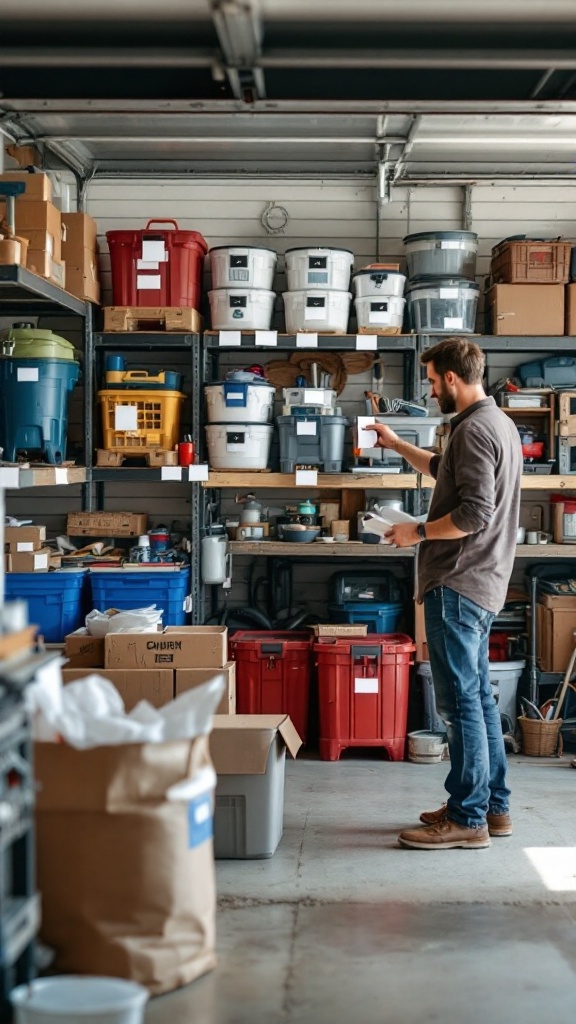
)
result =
(528, 280)
(24, 551)
(80, 251)
(38, 220)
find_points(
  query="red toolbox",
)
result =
(273, 674)
(157, 267)
(363, 692)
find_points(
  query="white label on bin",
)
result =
(378, 316)
(365, 685)
(126, 417)
(366, 342)
(171, 473)
(61, 476)
(10, 477)
(313, 396)
(315, 313)
(147, 265)
(448, 293)
(25, 373)
(454, 322)
(41, 561)
(306, 478)
(266, 337)
(151, 282)
(24, 546)
(236, 396)
(236, 447)
(198, 473)
(226, 339)
(153, 249)
(307, 340)
(306, 427)
(450, 245)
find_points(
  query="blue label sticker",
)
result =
(200, 820)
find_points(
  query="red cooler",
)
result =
(157, 267)
(273, 675)
(363, 692)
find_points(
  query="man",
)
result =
(465, 561)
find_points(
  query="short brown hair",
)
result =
(464, 358)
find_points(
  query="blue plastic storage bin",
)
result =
(380, 617)
(34, 406)
(140, 588)
(56, 600)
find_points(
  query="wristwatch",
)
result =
(421, 531)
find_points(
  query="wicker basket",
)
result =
(541, 739)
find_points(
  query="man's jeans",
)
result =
(457, 632)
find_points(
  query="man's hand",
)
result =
(403, 535)
(385, 436)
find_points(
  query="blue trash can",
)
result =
(34, 406)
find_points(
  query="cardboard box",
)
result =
(570, 320)
(38, 186)
(40, 262)
(249, 755)
(83, 280)
(106, 524)
(24, 538)
(174, 647)
(36, 220)
(526, 309)
(188, 678)
(556, 621)
(126, 875)
(28, 561)
(79, 233)
(83, 650)
(155, 685)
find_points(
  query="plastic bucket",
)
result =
(386, 311)
(250, 266)
(238, 445)
(317, 311)
(372, 281)
(249, 309)
(319, 268)
(426, 747)
(442, 306)
(229, 400)
(441, 253)
(79, 1000)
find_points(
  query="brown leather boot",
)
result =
(498, 824)
(445, 835)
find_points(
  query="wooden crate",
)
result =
(107, 524)
(178, 319)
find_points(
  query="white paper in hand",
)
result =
(380, 524)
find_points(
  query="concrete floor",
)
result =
(342, 926)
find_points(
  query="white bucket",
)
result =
(247, 309)
(232, 400)
(79, 1000)
(319, 268)
(386, 311)
(238, 445)
(249, 266)
(317, 311)
(426, 747)
(372, 281)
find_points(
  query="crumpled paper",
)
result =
(90, 712)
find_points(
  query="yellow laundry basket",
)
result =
(137, 420)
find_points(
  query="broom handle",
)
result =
(565, 683)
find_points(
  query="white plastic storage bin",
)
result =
(372, 281)
(247, 309)
(230, 400)
(319, 268)
(238, 445)
(504, 679)
(317, 311)
(442, 306)
(386, 311)
(250, 266)
(441, 254)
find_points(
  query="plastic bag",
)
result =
(132, 620)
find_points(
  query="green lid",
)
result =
(23, 341)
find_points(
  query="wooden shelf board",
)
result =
(314, 549)
(326, 481)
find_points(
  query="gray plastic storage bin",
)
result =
(442, 306)
(249, 810)
(311, 441)
(441, 254)
(432, 720)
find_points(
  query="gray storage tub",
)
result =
(442, 305)
(441, 254)
(311, 441)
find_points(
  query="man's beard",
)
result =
(446, 401)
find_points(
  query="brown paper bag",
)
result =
(126, 876)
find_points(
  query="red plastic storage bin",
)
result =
(172, 278)
(273, 674)
(363, 692)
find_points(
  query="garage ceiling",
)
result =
(428, 90)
